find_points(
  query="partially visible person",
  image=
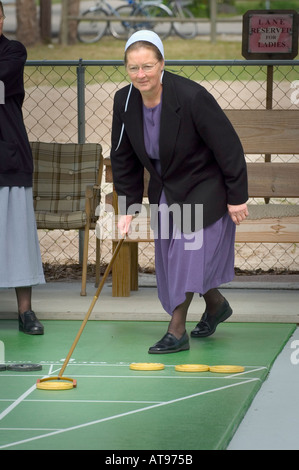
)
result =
(20, 259)
(173, 127)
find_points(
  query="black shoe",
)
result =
(28, 323)
(208, 323)
(170, 344)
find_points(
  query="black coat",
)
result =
(202, 160)
(16, 164)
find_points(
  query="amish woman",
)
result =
(173, 127)
(20, 260)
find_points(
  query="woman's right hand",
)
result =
(124, 223)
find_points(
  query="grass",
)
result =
(175, 49)
(111, 49)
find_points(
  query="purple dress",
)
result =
(184, 263)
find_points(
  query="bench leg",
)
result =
(125, 270)
(134, 265)
(121, 272)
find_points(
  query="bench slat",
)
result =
(266, 131)
(266, 230)
(282, 230)
(264, 179)
(273, 179)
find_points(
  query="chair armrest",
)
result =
(92, 199)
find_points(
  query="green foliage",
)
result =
(201, 8)
(243, 6)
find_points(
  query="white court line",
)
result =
(88, 401)
(20, 399)
(28, 429)
(184, 375)
(51, 372)
(121, 415)
(17, 402)
(140, 376)
(237, 374)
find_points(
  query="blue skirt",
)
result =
(20, 258)
(196, 264)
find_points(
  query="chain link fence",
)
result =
(71, 101)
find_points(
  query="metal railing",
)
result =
(71, 101)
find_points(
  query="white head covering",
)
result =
(145, 35)
(153, 38)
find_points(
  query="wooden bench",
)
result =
(263, 132)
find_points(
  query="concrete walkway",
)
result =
(271, 422)
(266, 299)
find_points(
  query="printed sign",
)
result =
(270, 34)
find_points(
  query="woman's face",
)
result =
(144, 70)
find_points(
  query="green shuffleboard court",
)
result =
(116, 408)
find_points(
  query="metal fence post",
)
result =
(81, 130)
(81, 102)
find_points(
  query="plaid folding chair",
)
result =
(66, 189)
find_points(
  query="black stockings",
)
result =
(23, 298)
(213, 299)
(177, 326)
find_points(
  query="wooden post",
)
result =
(64, 23)
(213, 19)
(269, 105)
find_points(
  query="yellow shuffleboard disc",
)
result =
(50, 383)
(227, 369)
(192, 368)
(146, 366)
(55, 385)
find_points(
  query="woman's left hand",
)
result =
(237, 213)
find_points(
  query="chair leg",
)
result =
(85, 259)
(98, 261)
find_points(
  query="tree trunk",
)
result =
(45, 21)
(73, 10)
(27, 23)
(68, 29)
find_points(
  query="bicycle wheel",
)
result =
(122, 29)
(185, 30)
(151, 10)
(94, 29)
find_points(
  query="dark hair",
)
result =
(146, 44)
(1, 7)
